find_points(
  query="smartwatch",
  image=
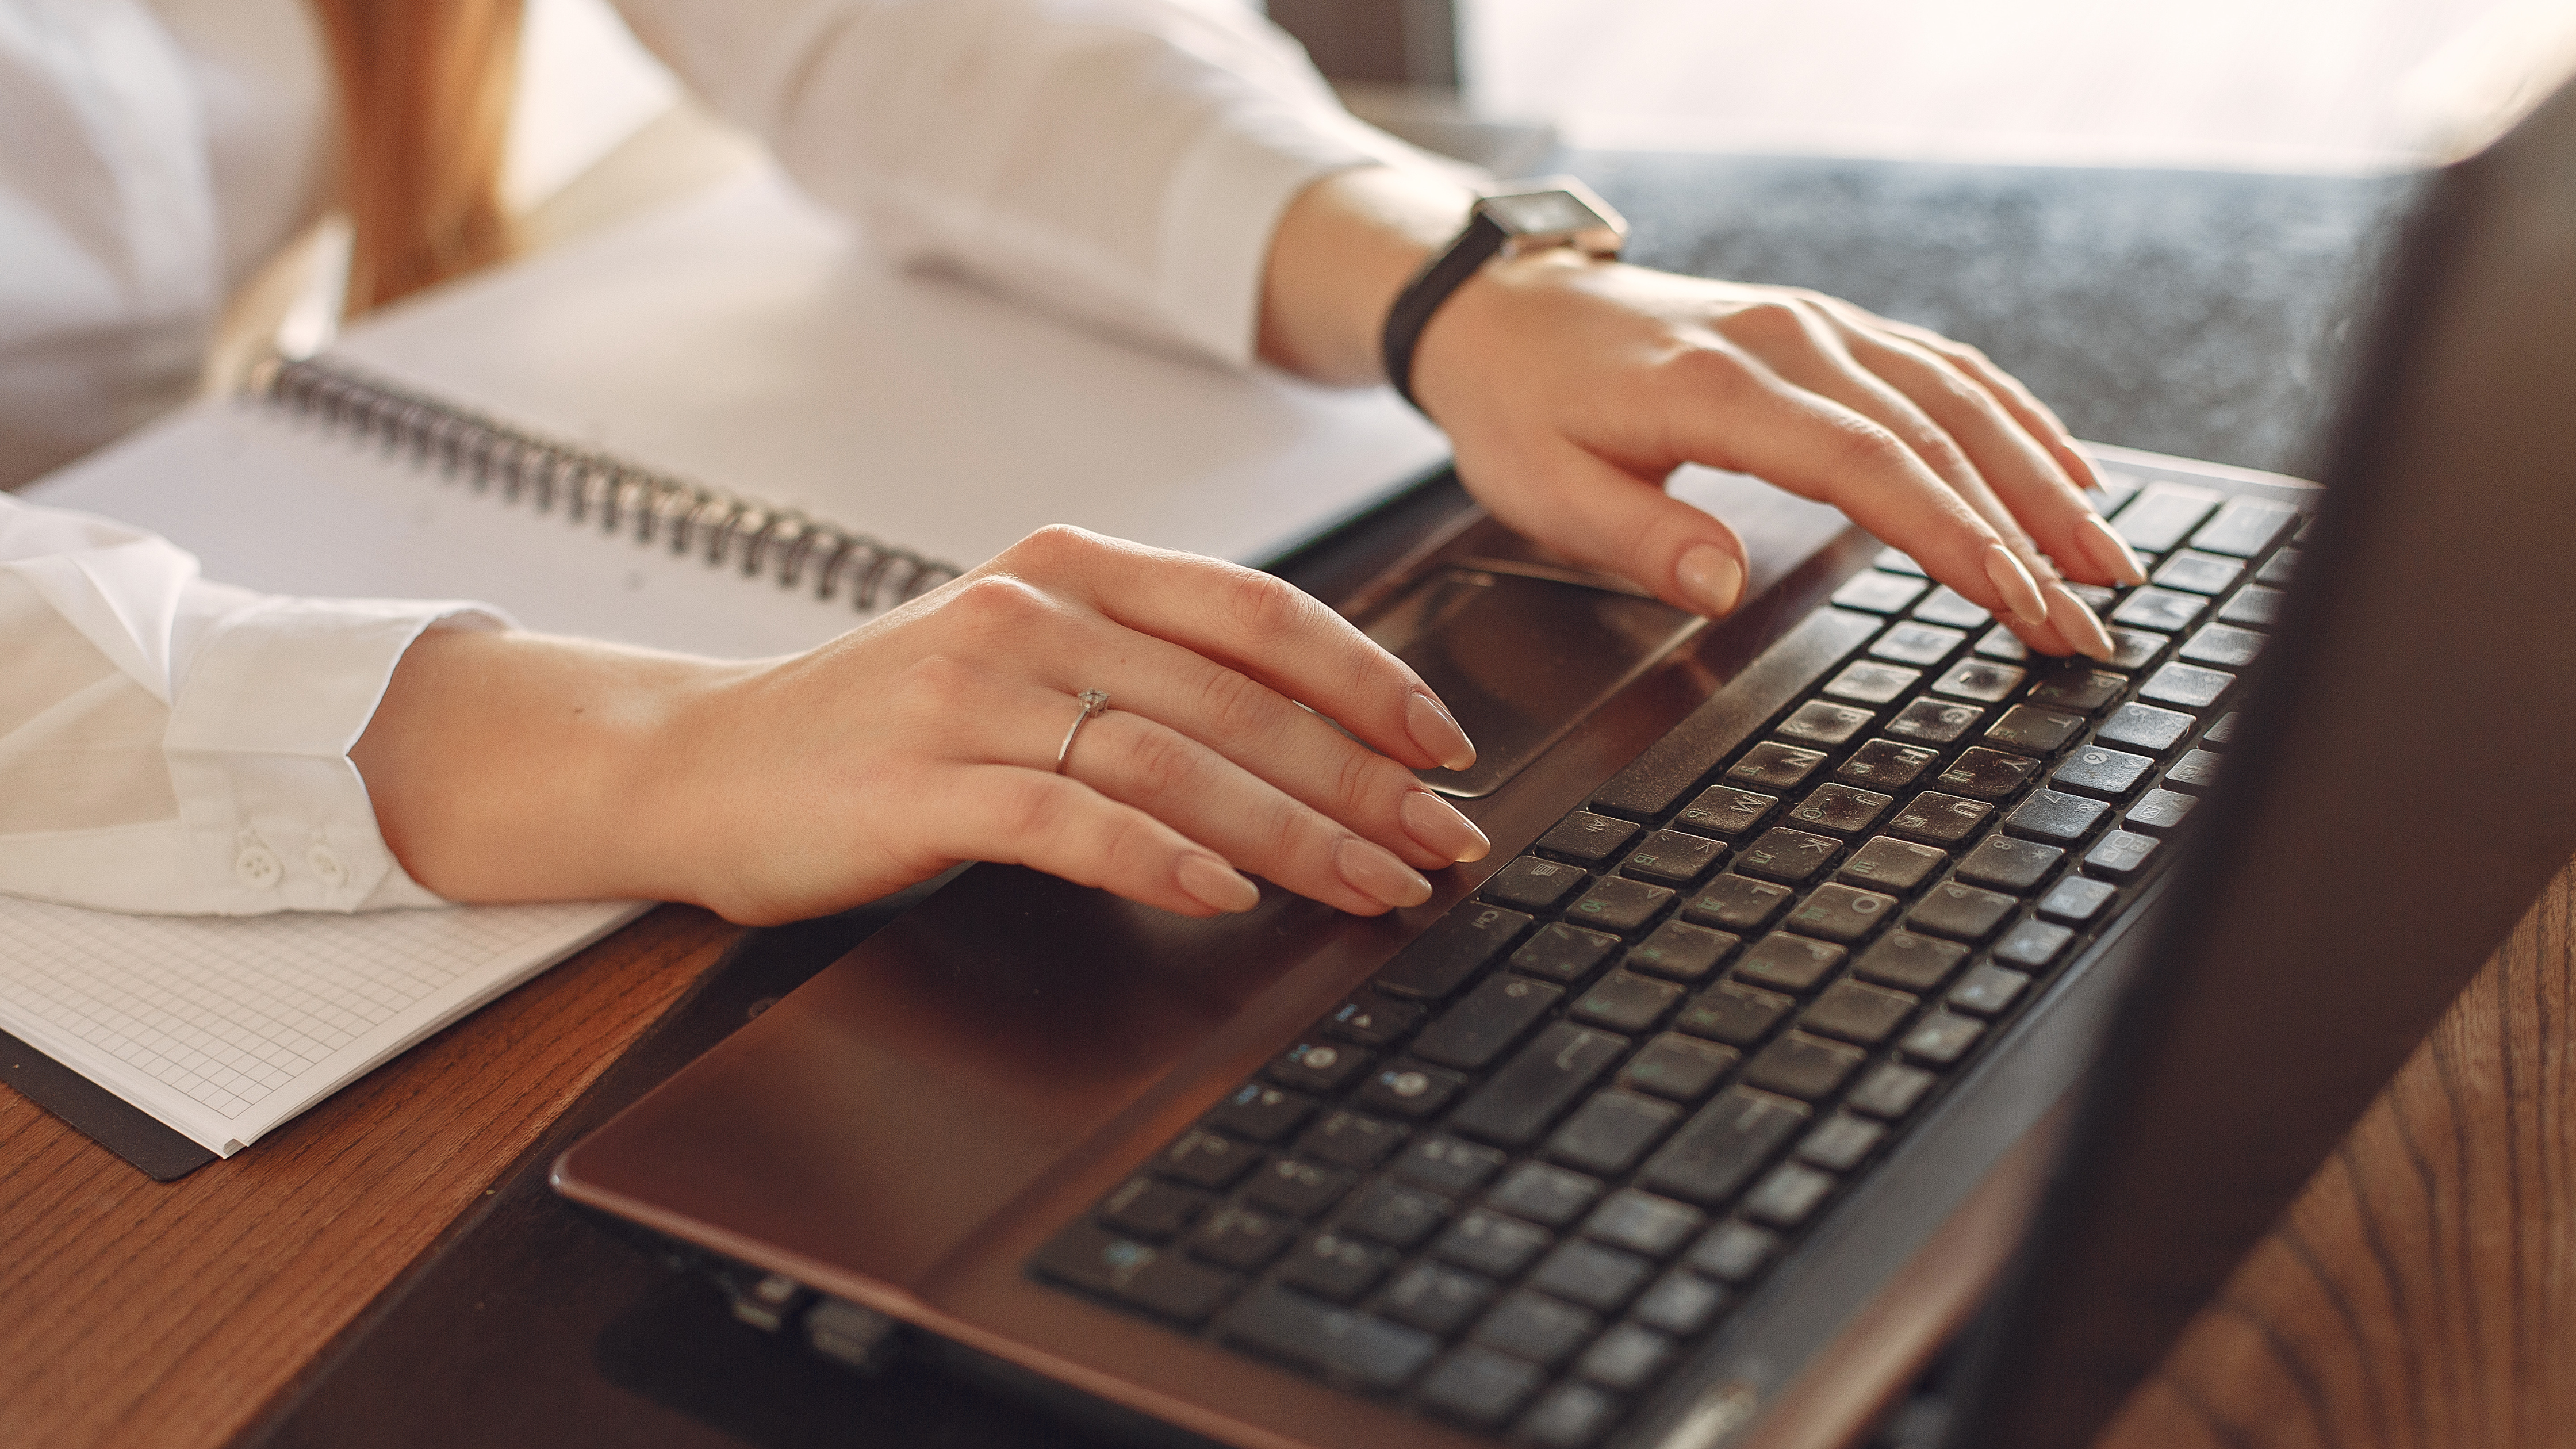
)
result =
(1531, 216)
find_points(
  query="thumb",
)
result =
(1609, 518)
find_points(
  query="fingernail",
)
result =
(1711, 579)
(1438, 826)
(1212, 882)
(1380, 876)
(2020, 590)
(2108, 551)
(2076, 620)
(1438, 734)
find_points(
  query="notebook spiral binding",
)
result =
(585, 486)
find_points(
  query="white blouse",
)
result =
(169, 744)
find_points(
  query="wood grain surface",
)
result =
(146, 1315)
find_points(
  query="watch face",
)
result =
(1542, 213)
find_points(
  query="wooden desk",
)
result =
(2423, 1292)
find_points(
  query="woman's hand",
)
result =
(1571, 388)
(508, 767)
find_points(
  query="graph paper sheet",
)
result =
(223, 1027)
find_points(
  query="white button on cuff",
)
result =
(327, 866)
(258, 867)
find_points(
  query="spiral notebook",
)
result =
(726, 428)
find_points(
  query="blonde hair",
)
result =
(425, 89)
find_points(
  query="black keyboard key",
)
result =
(1991, 989)
(1873, 592)
(1587, 838)
(1467, 939)
(1627, 1002)
(1298, 1189)
(2220, 733)
(2276, 573)
(1864, 682)
(2038, 731)
(1885, 765)
(1550, 1196)
(1723, 1145)
(1260, 1113)
(1940, 819)
(1680, 951)
(1842, 913)
(1983, 774)
(2165, 611)
(1918, 644)
(1321, 1067)
(1537, 1328)
(1204, 1159)
(1562, 1062)
(1963, 912)
(1625, 1359)
(1800, 1065)
(1725, 812)
(1145, 1208)
(1620, 906)
(1607, 1134)
(2054, 815)
(1890, 1090)
(2145, 727)
(1436, 1298)
(1336, 1266)
(2121, 855)
(1942, 1038)
(1947, 606)
(1786, 855)
(1982, 680)
(1916, 963)
(1479, 1388)
(2134, 649)
(1841, 810)
(1157, 1280)
(1564, 953)
(1734, 1251)
(2009, 864)
(2076, 900)
(2163, 516)
(1792, 963)
(1736, 903)
(1858, 1012)
(1492, 1244)
(1243, 1238)
(2076, 688)
(2000, 642)
(1371, 1020)
(1396, 1215)
(2199, 573)
(1644, 1223)
(1358, 1347)
(1788, 1195)
(1934, 721)
(1891, 864)
(2245, 527)
(1672, 858)
(1448, 1165)
(2187, 685)
(1532, 884)
(1842, 1144)
(1486, 1021)
(1351, 1139)
(1681, 1302)
(2224, 645)
(1407, 1088)
(2196, 770)
(2158, 812)
(1775, 767)
(2032, 944)
(1599, 1278)
(1733, 1013)
(2100, 770)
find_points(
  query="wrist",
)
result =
(1342, 251)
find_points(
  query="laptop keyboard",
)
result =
(1512, 1181)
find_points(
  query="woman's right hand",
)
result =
(790, 788)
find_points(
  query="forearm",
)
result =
(1342, 251)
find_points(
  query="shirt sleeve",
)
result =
(1125, 161)
(172, 745)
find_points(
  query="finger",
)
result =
(1259, 625)
(1603, 516)
(1050, 823)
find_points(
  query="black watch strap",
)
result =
(1558, 212)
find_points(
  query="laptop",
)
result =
(1731, 1088)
